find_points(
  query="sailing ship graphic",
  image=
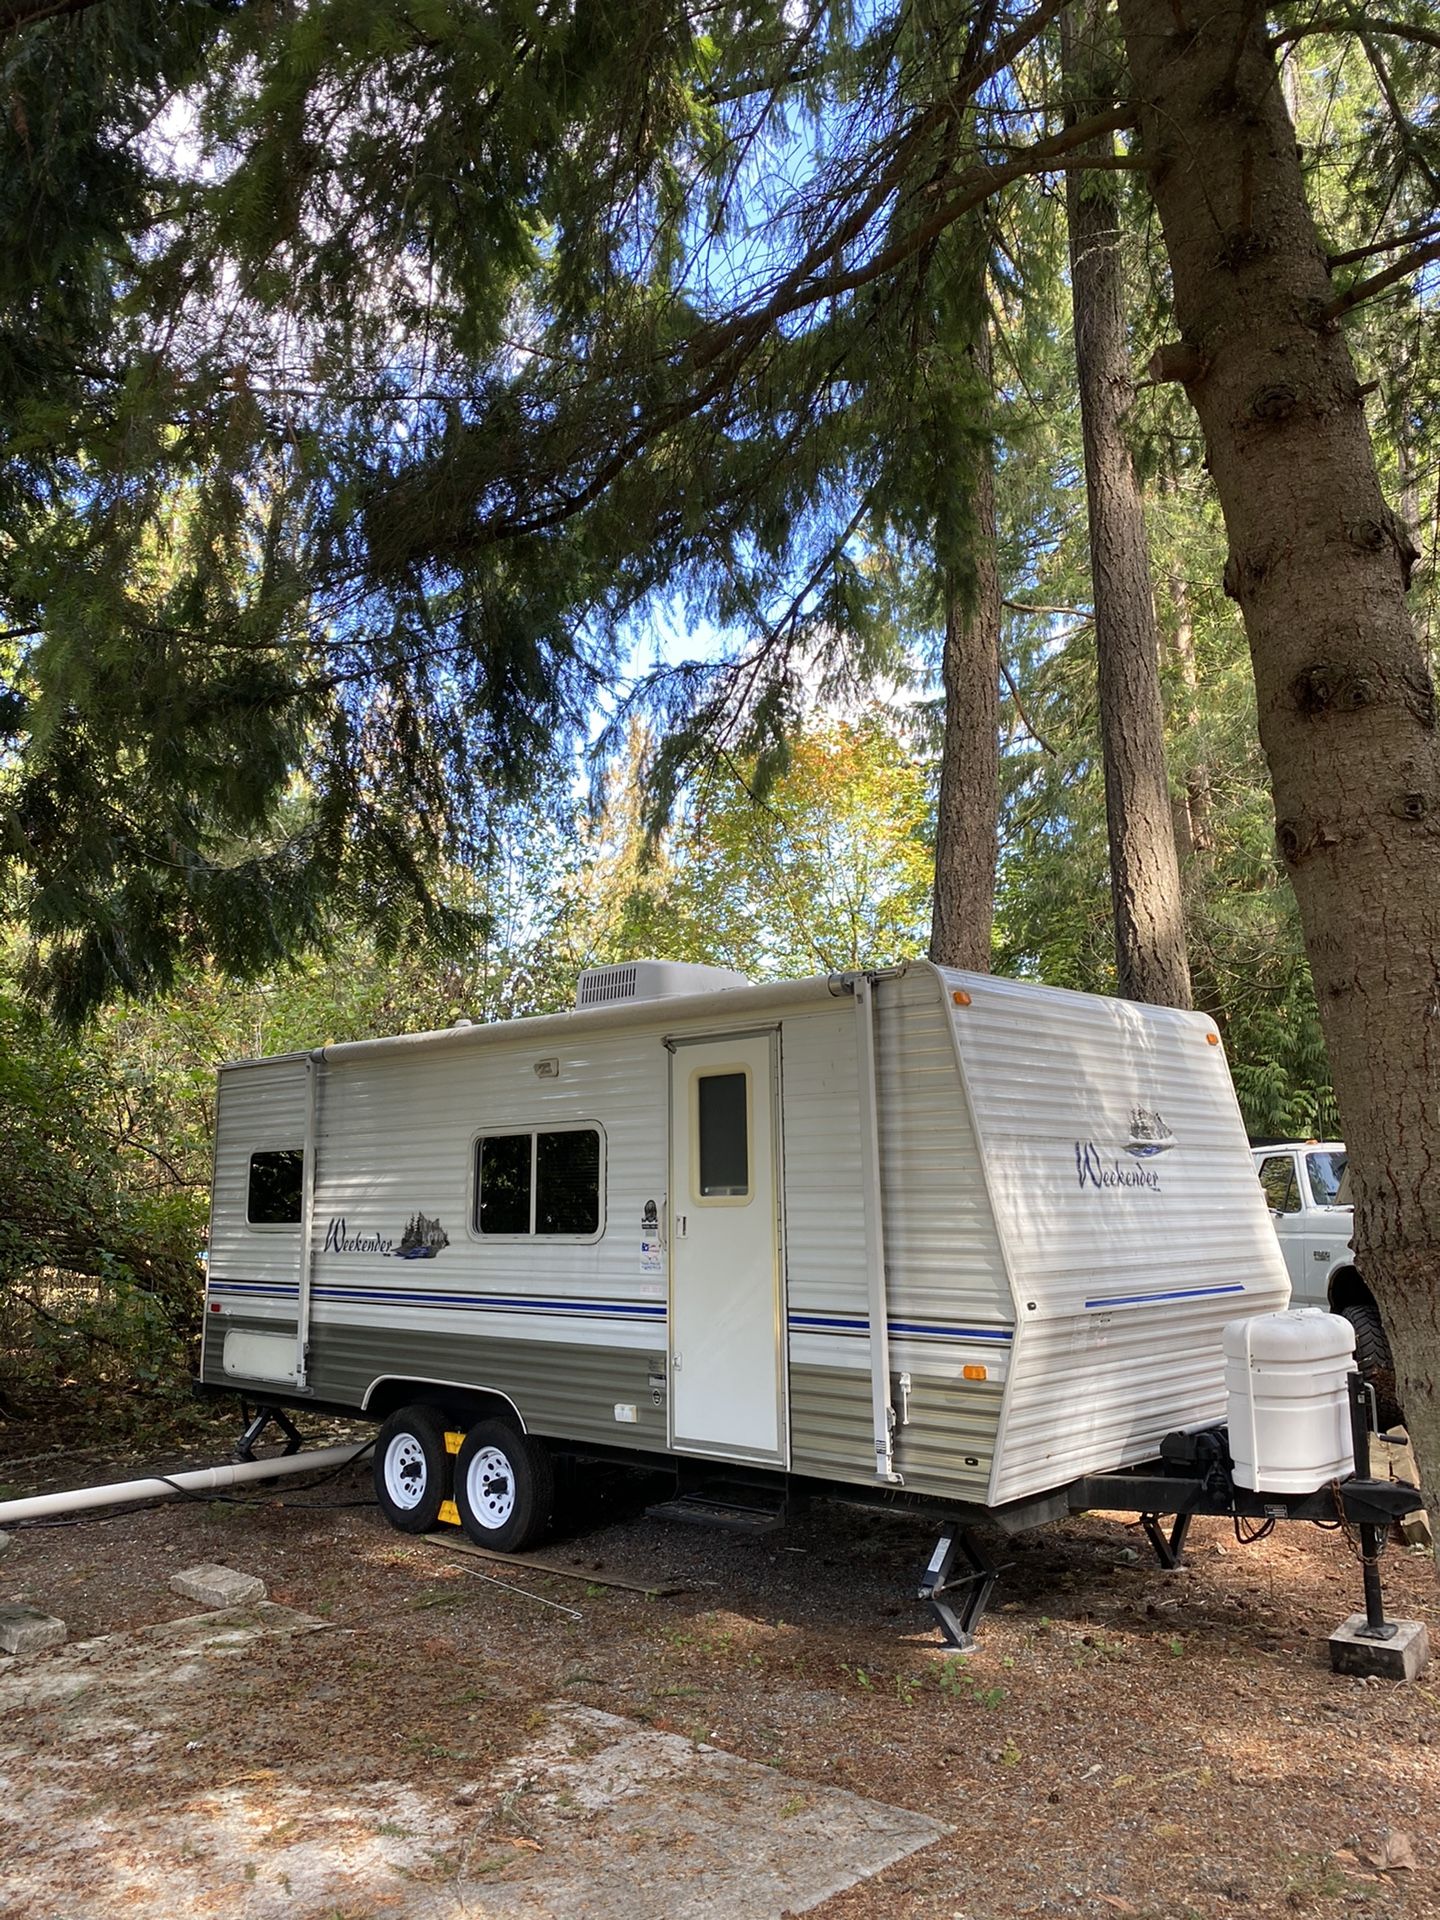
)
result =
(1149, 1134)
(422, 1239)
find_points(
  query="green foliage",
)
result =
(99, 1284)
(831, 869)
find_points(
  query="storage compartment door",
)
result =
(726, 1362)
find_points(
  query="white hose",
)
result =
(195, 1480)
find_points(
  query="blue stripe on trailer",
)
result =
(626, 1310)
(1181, 1293)
(505, 1302)
(845, 1323)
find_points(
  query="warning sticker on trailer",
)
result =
(652, 1247)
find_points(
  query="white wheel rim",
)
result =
(490, 1487)
(407, 1473)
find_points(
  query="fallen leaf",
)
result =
(533, 1845)
(1120, 1906)
(1393, 1851)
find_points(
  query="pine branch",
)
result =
(1421, 232)
(1356, 23)
(1367, 289)
(1021, 606)
(16, 15)
(1025, 719)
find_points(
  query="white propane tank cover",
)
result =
(1289, 1410)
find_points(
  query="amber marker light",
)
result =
(974, 1373)
(1212, 1039)
(960, 997)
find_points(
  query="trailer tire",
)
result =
(411, 1469)
(504, 1487)
(1374, 1360)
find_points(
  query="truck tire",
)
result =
(411, 1469)
(504, 1487)
(1375, 1361)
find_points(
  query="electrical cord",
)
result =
(1250, 1537)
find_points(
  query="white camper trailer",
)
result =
(922, 1231)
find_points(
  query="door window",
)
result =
(722, 1135)
(1282, 1190)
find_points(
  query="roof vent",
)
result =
(651, 980)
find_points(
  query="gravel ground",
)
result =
(1125, 1741)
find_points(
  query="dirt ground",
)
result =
(1125, 1741)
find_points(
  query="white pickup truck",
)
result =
(1304, 1181)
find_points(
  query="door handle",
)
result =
(682, 1221)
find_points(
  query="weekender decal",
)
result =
(1147, 1139)
(422, 1239)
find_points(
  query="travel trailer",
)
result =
(921, 1233)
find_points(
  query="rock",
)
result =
(27, 1630)
(218, 1586)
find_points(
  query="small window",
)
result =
(1326, 1174)
(276, 1184)
(722, 1125)
(1277, 1177)
(539, 1183)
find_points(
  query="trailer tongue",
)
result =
(1195, 1475)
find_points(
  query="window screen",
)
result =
(504, 1203)
(723, 1130)
(276, 1181)
(567, 1181)
(539, 1182)
(1277, 1177)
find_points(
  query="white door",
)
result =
(726, 1327)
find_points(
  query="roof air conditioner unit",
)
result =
(651, 980)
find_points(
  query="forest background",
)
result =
(558, 789)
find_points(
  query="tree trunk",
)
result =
(1145, 893)
(967, 822)
(1194, 836)
(1318, 563)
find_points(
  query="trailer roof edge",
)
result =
(682, 1010)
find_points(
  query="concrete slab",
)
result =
(595, 1818)
(615, 1822)
(25, 1630)
(215, 1586)
(1405, 1657)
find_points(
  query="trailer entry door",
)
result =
(726, 1326)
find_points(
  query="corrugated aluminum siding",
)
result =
(396, 1138)
(942, 1250)
(259, 1109)
(1126, 1266)
(949, 1302)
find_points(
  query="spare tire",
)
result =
(1374, 1360)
